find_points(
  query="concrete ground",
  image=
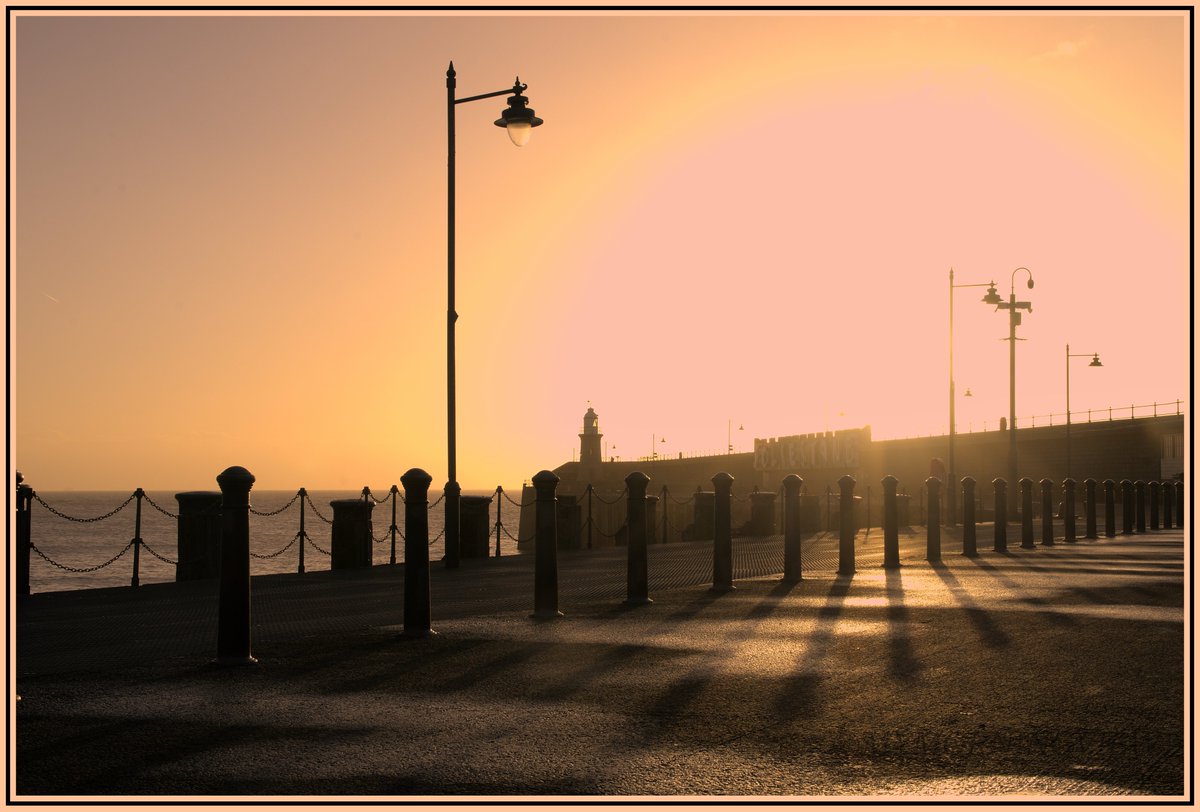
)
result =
(1048, 673)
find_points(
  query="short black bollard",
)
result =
(1000, 519)
(1168, 492)
(1027, 513)
(24, 535)
(416, 553)
(637, 592)
(970, 546)
(722, 535)
(198, 535)
(350, 534)
(1126, 507)
(233, 610)
(1089, 508)
(792, 570)
(1179, 503)
(846, 526)
(1047, 513)
(933, 528)
(1069, 510)
(891, 524)
(1139, 507)
(1155, 498)
(545, 563)
(1110, 508)
(651, 516)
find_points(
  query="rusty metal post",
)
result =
(1027, 513)
(545, 563)
(846, 531)
(792, 570)
(933, 528)
(970, 547)
(233, 609)
(722, 535)
(1000, 520)
(417, 606)
(891, 524)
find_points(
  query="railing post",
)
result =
(545, 563)
(24, 535)
(1155, 497)
(1000, 520)
(846, 534)
(1139, 509)
(970, 547)
(792, 571)
(722, 534)
(500, 506)
(1069, 510)
(666, 506)
(637, 573)
(395, 498)
(233, 611)
(933, 529)
(1179, 503)
(1110, 509)
(1168, 493)
(303, 534)
(137, 537)
(891, 524)
(1089, 508)
(589, 496)
(417, 610)
(1026, 513)
(1126, 507)
(1047, 512)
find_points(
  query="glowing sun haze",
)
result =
(229, 233)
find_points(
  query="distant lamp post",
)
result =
(729, 434)
(654, 445)
(519, 120)
(1014, 309)
(1095, 363)
(952, 488)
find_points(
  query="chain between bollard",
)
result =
(108, 515)
(158, 507)
(161, 558)
(513, 501)
(66, 568)
(280, 510)
(277, 553)
(313, 507)
(604, 501)
(313, 544)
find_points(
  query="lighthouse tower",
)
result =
(589, 439)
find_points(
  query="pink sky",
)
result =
(229, 233)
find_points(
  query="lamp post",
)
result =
(519, 120)
(952, 487)
(654, 440)
(1014, 309)
(1095, 363)
(729, 434)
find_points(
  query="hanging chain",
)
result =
(308, 499)
(614, 501)
(159, 508)
(514, 538)
(438, 537)
(515, 502)
(379, 501)
(280, 552)
(108, 515)
(124, 550)
(150, 550)
(281, 510)
(313, 544)
(438, 502)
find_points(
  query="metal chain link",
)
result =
(277, 512)
(514, 538)
(379, 501)
(280, 552)
(313, 544)
(156, 506)
(438, 537)
(308, 499)
(124, 550)
(163, 559)
(614, 501)
(108, 515)
(515, 502)
(438, 502)
(682, 501)
(382, 538)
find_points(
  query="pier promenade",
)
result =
(1054, 672)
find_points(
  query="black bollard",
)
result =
(891, 524)
(652, 516)
(1179, 503)
(1139, 507)
(1089, 508)
(846, 525)
(1110, 508)
(452, 540)
(1000, 520)
(1047, 513)
(1155, 498)
(1126, 507)
(233, 610)
(933, 528)
(24, 535)
(722, 535)
(1027, 513)
(198, 535)
(970, 547)
(637, 591)
(545, 563)
(1168, 492)
(792, 571)
(1069, 510)
(416, 553)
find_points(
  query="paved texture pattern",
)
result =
(1055, 672)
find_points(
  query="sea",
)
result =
(85, 545)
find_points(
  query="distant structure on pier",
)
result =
(589, 440)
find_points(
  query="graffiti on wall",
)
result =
(842, 449)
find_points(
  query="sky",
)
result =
(228, 234)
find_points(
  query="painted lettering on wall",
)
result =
(842, 449)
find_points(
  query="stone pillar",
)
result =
(652, 517)
(1026, 513)
(1168, 492)
(1089, 508)
(1126, 507)
(933, 528)
(846, 535)
(1139, 508)
(351, 544)
(1069, 511)
(1000, 520)
(198, 535)
(970, 546)
(416, 553)
(1110, 508)
(638, 570)
(545, 563)
(891, 524)
(791, 528)
(24, 535)
(703, 515)
(473, 526)
(762, 513)
(1155, 498)
(1047, 513)
(233, 608)
(722, 534)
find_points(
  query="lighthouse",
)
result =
(589, 439)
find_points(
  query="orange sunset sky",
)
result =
(228, 233)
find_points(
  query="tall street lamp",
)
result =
(1014, 309)
(952, 499)
(1095, 363)
(729, 434)
(519, 120)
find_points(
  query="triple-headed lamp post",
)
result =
(1014, 309)
(519, 120)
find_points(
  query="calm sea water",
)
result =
(84, 545)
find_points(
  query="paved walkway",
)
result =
(1053, 672)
